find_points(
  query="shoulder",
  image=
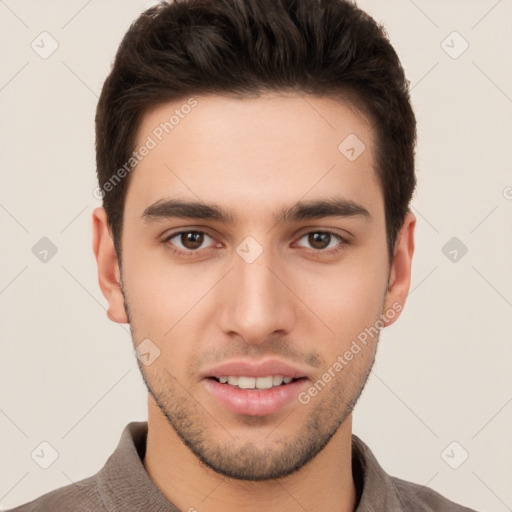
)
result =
(80, 496)
(419, 498)
(381, 491)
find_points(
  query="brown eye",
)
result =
(192, 239)
(188, 240)
(321, 240)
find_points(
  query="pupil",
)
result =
(193, 239)
(314, 238)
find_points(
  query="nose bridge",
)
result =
(259, 303)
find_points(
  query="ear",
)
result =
(109, 275)
(400, 272)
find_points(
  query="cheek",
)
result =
(169, 304)
(154, 284)
(347, 298)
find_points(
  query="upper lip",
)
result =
(245, 368)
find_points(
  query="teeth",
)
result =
(256, 382)
(246, 382)
(277, 380)
(264, 382)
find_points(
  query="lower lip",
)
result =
(255, 402)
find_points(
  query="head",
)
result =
(288, 125)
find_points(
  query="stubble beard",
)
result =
(241, 459)
(280, 455)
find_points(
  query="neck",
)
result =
(325, 483)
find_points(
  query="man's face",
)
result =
(272, 297)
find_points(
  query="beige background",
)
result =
(68, 375)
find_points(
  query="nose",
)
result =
(258, 302)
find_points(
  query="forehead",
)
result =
(252, 152)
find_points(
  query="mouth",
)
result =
(257, 383)
(255, 388)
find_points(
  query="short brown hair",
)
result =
(248, 47)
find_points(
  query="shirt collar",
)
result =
(123, 483)
(378, 492)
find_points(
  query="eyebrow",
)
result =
(302, 210)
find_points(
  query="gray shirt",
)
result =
(123, 485)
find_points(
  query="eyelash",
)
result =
(192, 253)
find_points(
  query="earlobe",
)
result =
(400, 273)
(108, 266)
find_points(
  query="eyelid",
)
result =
(174, 234)
(341, 233)
(343, 241)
